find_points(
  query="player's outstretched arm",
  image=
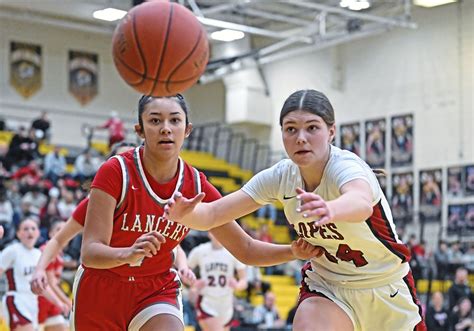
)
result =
(258, 253)
(55, 245)
(204, 216)
(96, 252)
(354, 204)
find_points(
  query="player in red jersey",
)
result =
(73, 227)
(50, 315)
(127, 242)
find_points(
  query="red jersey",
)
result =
(79, 214)
(140, 201)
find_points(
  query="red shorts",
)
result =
(107, 301)
(47, 309)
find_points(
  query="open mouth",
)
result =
(302, 152)
(166, 142)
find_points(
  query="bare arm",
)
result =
(258, 253)
(205, 216)
(181, 263)
(54, 283)
(354, 204)
(55, 245)
(96, 252)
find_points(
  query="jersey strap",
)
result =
(125, 180)
(197, 181)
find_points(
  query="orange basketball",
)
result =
(160, 48)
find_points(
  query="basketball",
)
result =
(160, 48)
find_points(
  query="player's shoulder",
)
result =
(340, 158)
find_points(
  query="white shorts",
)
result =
(221, 308)
(20, 309)
(390, 307)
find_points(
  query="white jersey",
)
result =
(358, 255)
(217, 266)
(19, 263)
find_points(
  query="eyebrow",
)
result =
(159, 114)
(310, 121)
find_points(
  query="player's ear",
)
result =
(332, 133)
(139, 131)
(189, 129)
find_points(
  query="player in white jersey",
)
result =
(18, 261)
(216, 285)
(332, 199)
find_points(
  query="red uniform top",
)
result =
(79, 214)
(140, 202)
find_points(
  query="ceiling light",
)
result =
(432, 3)
(354, 4)
(109, 14)
(227, 35)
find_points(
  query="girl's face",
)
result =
(28, 233)
(306, 137)
(164, 127)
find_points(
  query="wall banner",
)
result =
(25, 68)
(83, 76)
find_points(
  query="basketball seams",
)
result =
(165, 43)
(184, 61)
(140, 51)
(181, 81)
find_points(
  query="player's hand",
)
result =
(187, 276)
(303, 250)
(313, 206)
(65, 308)
(200, 284)
(179, 206)
(147, 245)
(39, 281)
(2, 231)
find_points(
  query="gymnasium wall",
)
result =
(427, 72)
(66, 113)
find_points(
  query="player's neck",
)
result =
(162, 170)
(312, 175)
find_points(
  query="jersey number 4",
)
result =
(345, 253)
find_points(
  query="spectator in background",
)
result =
(116, 128)
(461, 318)
(441, 258)
(469, 259)
(6, 218)
(22, 149)
(460, 288)
(41, 125)
(33, 201)
(66, 204)
(455, 257)
(255, 282)
(85, 166)
(54, 165)
(266, 316)
(437, 316)
(267, 211)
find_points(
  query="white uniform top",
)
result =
(358, 255)
(217, 266)
(19, 263)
